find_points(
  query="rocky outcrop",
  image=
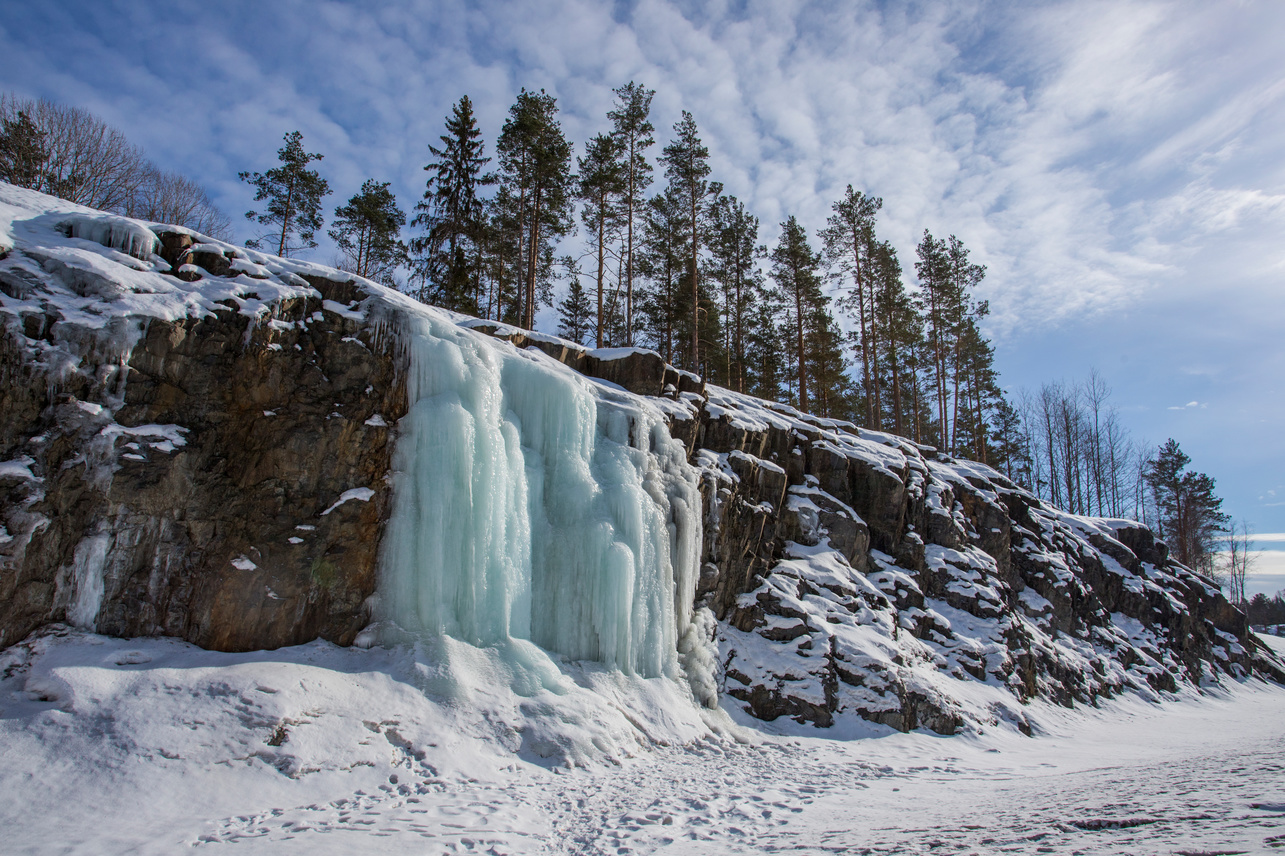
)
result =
(223, 473)
(196, 441)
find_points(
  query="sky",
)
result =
(1119, 167)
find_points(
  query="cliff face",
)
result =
(197, 442)
(189, 448)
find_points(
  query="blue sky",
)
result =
(1118, 166)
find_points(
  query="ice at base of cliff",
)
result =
(531, 505)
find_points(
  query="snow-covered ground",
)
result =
(154, 746)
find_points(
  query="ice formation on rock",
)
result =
(118, 233)
(530, 503)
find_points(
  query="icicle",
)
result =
(87, 581)
(118, 233)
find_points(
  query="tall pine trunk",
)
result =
(798, 312)
(602, 229)
(533, 262)
(285, 221)
(696, 367)
(896, 383)
(861, 313)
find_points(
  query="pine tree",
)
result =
(293, 193)
(452, 214)
(22, 151)
(535, 165)
(575, 314)
(849, 239)
(367, 231)
(736, 252)
(794, 267)
(632, 129)
(687, 168)
(601, 182)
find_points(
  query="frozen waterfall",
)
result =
(530, 503)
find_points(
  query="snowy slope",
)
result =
(154, 746)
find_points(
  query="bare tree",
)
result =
(1094, 391)
(1080, 455)
(83, 160)
(1237, 561)
(173, 199)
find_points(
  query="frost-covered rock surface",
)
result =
(246, 452)
(858, 574)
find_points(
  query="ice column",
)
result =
(530, 503)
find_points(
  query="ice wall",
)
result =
(531, 503)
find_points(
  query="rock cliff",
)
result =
(196, 440)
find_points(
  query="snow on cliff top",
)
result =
(96, 267)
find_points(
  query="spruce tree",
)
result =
(940, 302)
(1011, 445)
(767, 344)
(965, 313)
(503, 242)
(736, 252)
(826, 367)
(1191, 516)
(575, 314)
(22, 151)
(293, 193)
(663, 260)
(687, 168)
(632, 129)
(901, 327)
(451, 213)
(368, 232)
